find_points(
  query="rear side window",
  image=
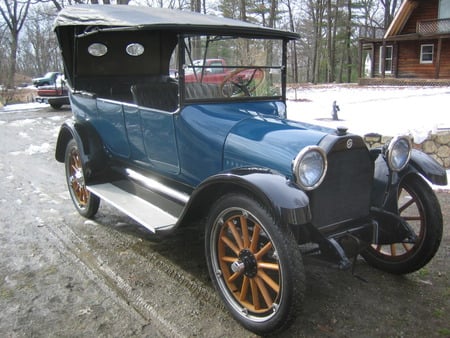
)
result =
(97, 49)
(135, 49)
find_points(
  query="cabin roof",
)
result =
(400, 19)
(148, 18)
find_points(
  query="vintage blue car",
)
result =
(166, 151)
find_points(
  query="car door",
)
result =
(111, 126)
(151, 135)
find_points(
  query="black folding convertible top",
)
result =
(145, 18)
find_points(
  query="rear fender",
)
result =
(92, 152)
(288, 203)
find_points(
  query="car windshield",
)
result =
(218, 67)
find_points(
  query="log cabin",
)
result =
(415, 48)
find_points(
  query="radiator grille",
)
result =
(345, 191)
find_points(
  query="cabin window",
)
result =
(387, 59)
(444, 9)
(426, 53)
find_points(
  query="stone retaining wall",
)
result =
(436, 145)
(389, 81)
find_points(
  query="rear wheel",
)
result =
(255, 264)
(419, 206)
(85, 202)
(56, 106)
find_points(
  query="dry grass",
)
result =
(20, 95)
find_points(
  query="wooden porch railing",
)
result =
(431, 27)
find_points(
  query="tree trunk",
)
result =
(329, 71)
(316, 13)
(349, 40)
(242, 10)
(13, 60)
(14, 18)
(294, 63)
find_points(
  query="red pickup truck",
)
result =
(56, 94)
(207, 71)
(231, 81)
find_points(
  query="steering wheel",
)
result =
(242, 82)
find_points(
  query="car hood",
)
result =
(269, 142)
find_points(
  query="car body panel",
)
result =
(268, 142)
(202, 130)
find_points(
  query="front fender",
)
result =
(289, 204)
(427, 167)
(93, 155)
(386, 182)
(385, 193)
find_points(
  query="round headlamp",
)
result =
(310, 167)
(398, 153)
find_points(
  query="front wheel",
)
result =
(85, 202)
(419, 206)
(255, 264)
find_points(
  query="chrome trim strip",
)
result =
(158, 187)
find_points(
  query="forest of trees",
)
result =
(326, 52)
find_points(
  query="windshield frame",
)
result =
(182, 49)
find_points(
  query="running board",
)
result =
(143, 212)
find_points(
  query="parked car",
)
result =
(232, 80)
(167, 151)
(55, 95)
(48, 79)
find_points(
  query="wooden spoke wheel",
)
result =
(85, 202)
(255, 265)
(249, 263)
(419, 207)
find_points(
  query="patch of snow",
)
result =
(22, 106)
(24, 135)
(389, 111)
(24, 122)
(33, 149)
(56, 118)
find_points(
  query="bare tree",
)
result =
(243, 10)
(292, 27)
(196, 6)
(39, 43)
(14, 15)
(3, 52)
(316, 11)
(390, 6)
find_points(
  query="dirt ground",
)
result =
(62, 275)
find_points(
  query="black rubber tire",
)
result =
(85, 202)
(266, 296)
(56, 106)
(425, 218)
